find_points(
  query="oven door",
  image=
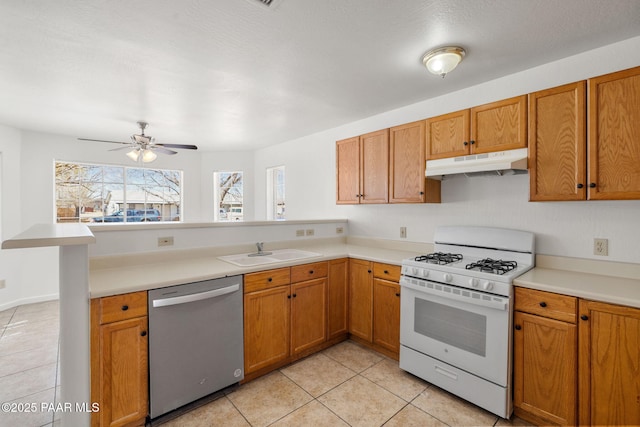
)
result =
(464, 328)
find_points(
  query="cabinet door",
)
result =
(557, 143)
(447, 135)
(361, 299)
(545, 368)
(407, 163)
(348, 171)
(308, 314)
(386, 314)
(614, 136)
(374, 169)
(266, 327)
(337, 298)
(124, 372)
(500, 125)
(609, 364)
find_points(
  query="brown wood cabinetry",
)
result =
(374, 309)
(609, 364)
(407, 182)
(497, 126)
(362, 168)
(285, 315)
(338, 298)
(545, 357)
(119, 359)
(614, 136)
(557, 143)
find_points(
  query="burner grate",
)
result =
(439, 258)
(493, 266)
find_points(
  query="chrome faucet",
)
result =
(259, 245)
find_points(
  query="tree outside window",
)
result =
(228, 195)
(275, 193)
(102, 193)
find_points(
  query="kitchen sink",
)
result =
(269, 257)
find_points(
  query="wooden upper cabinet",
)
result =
(447, 135)
(557, 143)
(609, 364)
(500, 125)
(374, 169)
(407, 163)
(348, 171)
(362, 169)
(614, 136)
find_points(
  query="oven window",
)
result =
(459, 328)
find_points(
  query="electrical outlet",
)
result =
(601, 247)
(299, 233)
(339, 230)
(403, 232)
(2, 283)
(310, 232)
(165, 241)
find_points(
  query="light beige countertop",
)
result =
(616, 283)
(122, 274)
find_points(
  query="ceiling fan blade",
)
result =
(182, 146)
(130, 146)
(163, 150)
(101, 140)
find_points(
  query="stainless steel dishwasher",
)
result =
(195, 341)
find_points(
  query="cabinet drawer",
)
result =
(122, 307)
(266, 279)
(547, 304)
(301, 273)
(386, 271)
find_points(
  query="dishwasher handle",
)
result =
(164, 302)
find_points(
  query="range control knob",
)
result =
(425, 273)
(487, 286)
(447, 277)
(415, 270)
(473, 283)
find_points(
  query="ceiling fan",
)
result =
(143, 147)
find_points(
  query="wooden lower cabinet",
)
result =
(386, 314)
(266, 327)
(119, 360)
(338, 298)
(545, 357)
(308, 314)
(361, 299)
(609, 364)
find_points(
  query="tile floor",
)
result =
(345, 385)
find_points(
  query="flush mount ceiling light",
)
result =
(443, 60)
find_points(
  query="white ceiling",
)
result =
(235, 75)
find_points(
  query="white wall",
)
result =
(562, 228)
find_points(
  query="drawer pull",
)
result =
(311, 272)
(543, 304)
(270, 279)
(125, 307)
(386, 272)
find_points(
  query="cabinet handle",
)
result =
(518, 327)
(592, 185)
(386, 272)
(270, 279)
(289, 296)
(580, 185)
(422, 193)
(397, 294)
(125, 307)
(584, 317)
(143, 333)
(368, 271)
(472, 142)
(311, 272)
(465, 143)
(543, 304)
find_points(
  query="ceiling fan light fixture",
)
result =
(134, 154)
(148, 156)
(443, 60)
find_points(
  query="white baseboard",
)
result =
(30, 300)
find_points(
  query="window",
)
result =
(106, 194)
(228, 196)
(275, 193)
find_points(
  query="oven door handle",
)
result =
(495, 302)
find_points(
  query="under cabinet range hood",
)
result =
(499, 162)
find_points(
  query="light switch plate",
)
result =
(403, 232)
